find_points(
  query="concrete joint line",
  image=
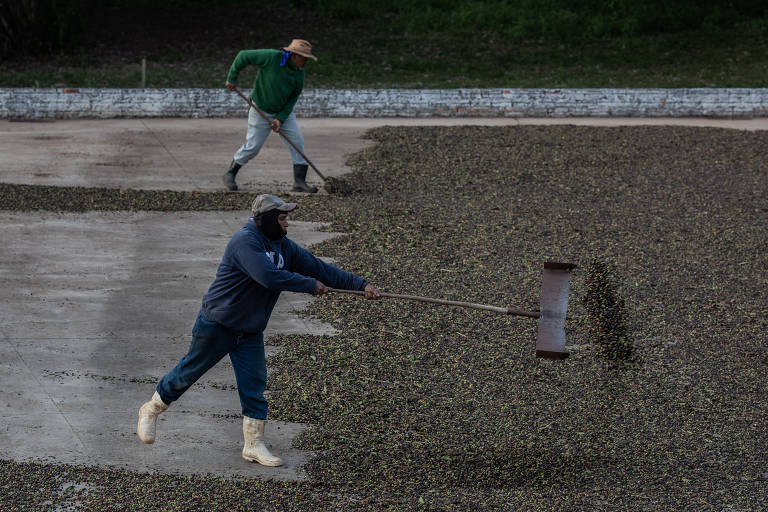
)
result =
(178, 164)
(40, 385)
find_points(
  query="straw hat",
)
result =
(300, 47)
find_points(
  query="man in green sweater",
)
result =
(278, 84)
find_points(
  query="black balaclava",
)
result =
(267, 223)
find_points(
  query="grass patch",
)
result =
(385, 49)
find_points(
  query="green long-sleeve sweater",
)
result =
(276, 88)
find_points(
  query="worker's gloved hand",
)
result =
(230, 86)
(371, 292)
(320, 288)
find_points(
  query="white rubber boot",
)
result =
(254, 449)
(148, 418)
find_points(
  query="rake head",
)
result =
(555, 286)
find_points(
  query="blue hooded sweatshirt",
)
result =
(253, 272)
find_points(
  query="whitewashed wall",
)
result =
(28, 103)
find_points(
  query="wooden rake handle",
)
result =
(472, 305)
(289, 141)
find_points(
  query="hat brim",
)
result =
(287, 207)
(307, 55)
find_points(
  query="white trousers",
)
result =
(259, 130)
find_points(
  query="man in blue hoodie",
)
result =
(258, 263)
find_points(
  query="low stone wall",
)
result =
(28, 103)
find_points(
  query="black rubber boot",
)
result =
(299, 179)
(229, 176)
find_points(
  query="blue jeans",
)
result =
(210, 342)
(259, 130)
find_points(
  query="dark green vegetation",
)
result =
(607, 311)
(404, 43)
(421, 407)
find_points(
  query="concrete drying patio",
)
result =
(192, 154)
(96, 307)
